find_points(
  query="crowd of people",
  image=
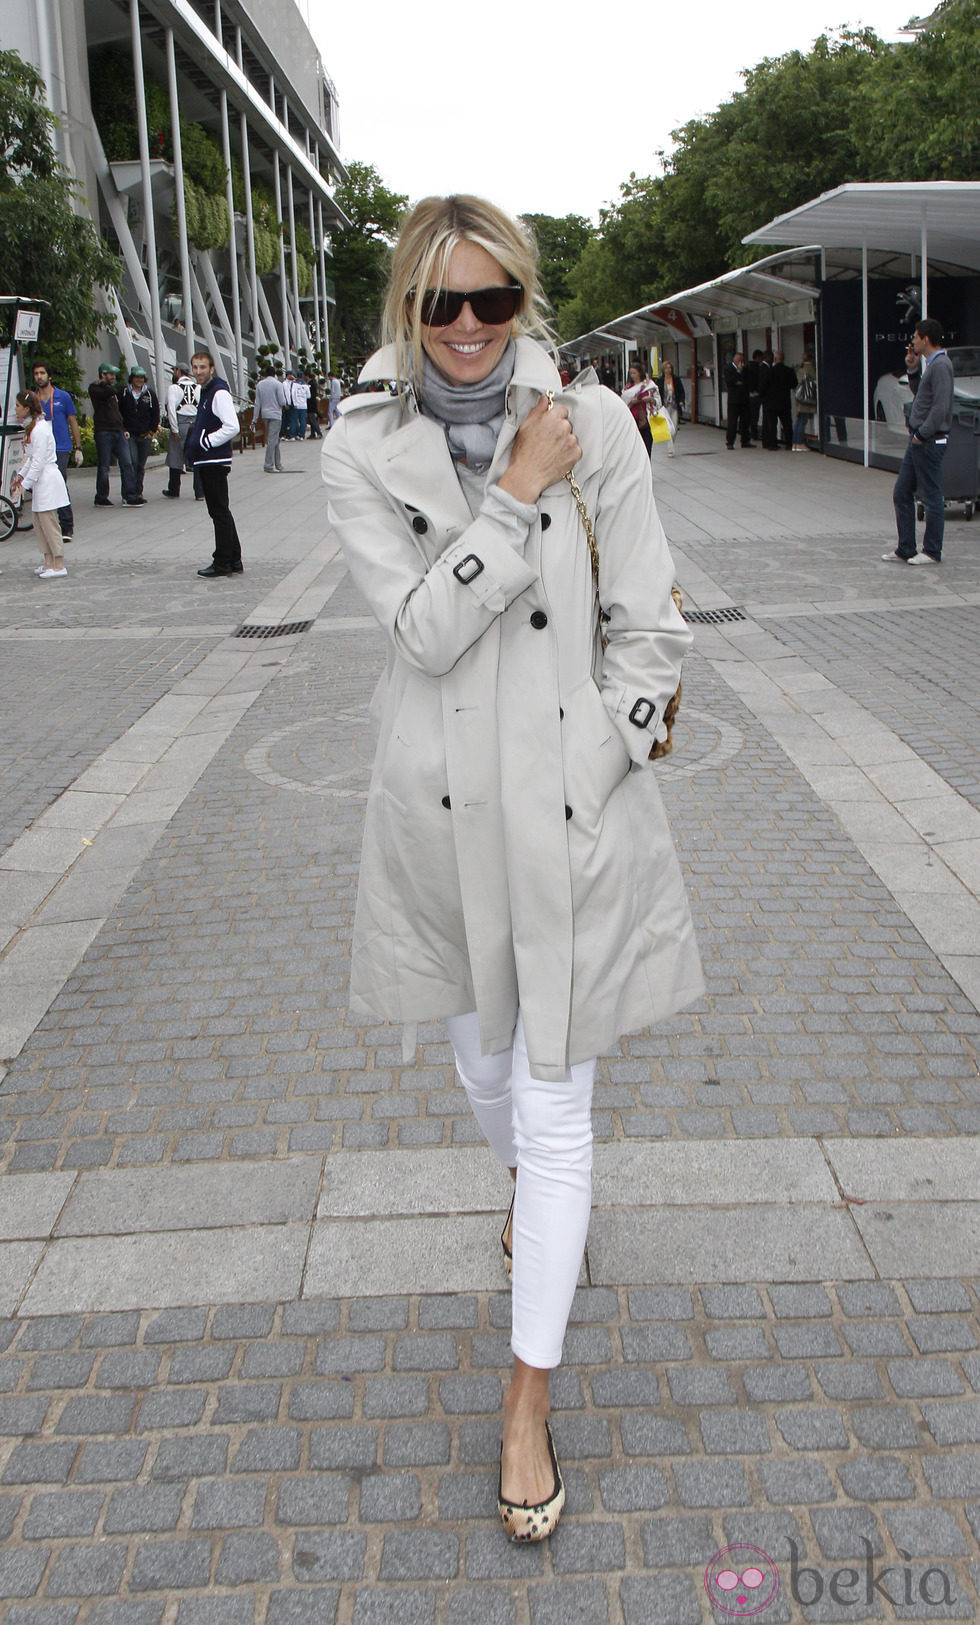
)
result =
(201, 417)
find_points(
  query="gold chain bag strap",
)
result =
(660, 747)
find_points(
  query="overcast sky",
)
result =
(546, 108)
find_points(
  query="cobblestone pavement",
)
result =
(776, 1345)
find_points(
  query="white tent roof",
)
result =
(739, 293)
(942, 215)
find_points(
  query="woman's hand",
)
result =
(545, 450)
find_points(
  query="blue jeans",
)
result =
(920, 478)
(107, 442)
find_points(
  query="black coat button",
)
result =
(446, 801)
(568, 813)
(539, 619)
(545, 521)
(420, 525)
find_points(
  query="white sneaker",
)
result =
(923, 558)
(49, 575)
(894, 558)
(39, 569)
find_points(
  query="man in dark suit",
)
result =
(777, 405)
(737, 385)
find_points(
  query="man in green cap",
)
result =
(141, 419)
(111, 439)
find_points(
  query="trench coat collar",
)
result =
(418, 444)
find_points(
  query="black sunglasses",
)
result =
(439, 307)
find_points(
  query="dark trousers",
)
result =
(140, 447)
(214, 483)
(738, 422)
(920, 478)
(313, 423)
(111, 443)
(66, 518)
(774, 418)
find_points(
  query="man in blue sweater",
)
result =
(920, 477)
(208, 450)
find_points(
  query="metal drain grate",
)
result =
(286, 629)
(715, 615)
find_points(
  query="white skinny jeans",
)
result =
(544, 1130)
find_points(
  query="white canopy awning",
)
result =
(896, 215)
(743, 292)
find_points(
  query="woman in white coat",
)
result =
(517, 877)
(40, 475)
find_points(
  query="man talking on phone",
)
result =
(920, 477)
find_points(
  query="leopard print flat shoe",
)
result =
(524, 1523)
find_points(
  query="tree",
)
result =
(361, 253)
(561, 243)
(47, 251)
(920, 119)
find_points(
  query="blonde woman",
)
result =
(517, 877)
(40, 476)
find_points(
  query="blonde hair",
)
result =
(421, 261)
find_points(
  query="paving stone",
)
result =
(482, 1605)
(633, 1489)
(729, 1343)
(316, 1606)
(941, 1334)
(795, 1483)
(619, 1389)
(699, 1386)
(938, 1297)
(146, 1509)
(557, 1604)
(815, 1428)
(876, 1478)
(732, 1303)
(422, 1444)
(345, 1356)
(396, 1396)
(923, 1379)
(419, 1554)
(470, 1495)
(490, 1555)
(678, 1542)
(137, 1369)
(394, 1608)
(843, 1531)
(332, 1449)
(176, 1408)
(650, 1435)
(926, 1532)
(800, 1302)
(214, 1610)
(328, 1554)
(777, 1383)
(20, 1415)
(177, 1326)
(203, 1457)
(319, 1401)
(21, 1570)
(58, 1515)
(220, 1505)
(201, 1363)
(268, 1450)
(310, 1319)
(87, 1571)
(885, 1427)
(953, 1477)
(37, 1463)
(734, 1432)
(110, 1462)
(711, 1484)
(849, 1379)
(806, 1342)
(668, 1599)
(390, 1498)
(248, 1558)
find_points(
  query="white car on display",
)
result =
(966, 369)
(891, 398)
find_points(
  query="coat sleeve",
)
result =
(647, 637)
(430, 614)
(223, 407)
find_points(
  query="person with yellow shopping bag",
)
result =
(642, 397)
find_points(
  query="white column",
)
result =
(292, 239)
(236, 308)
(182, 243)
(324, 303)
(864, 354)
(283, 295)
(250, 242)
(148, 221)
(925, 267)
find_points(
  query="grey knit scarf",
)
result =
(471, 414)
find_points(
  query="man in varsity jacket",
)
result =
(208, 450)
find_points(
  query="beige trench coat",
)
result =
(516, 850)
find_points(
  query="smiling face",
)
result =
(467, 350)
